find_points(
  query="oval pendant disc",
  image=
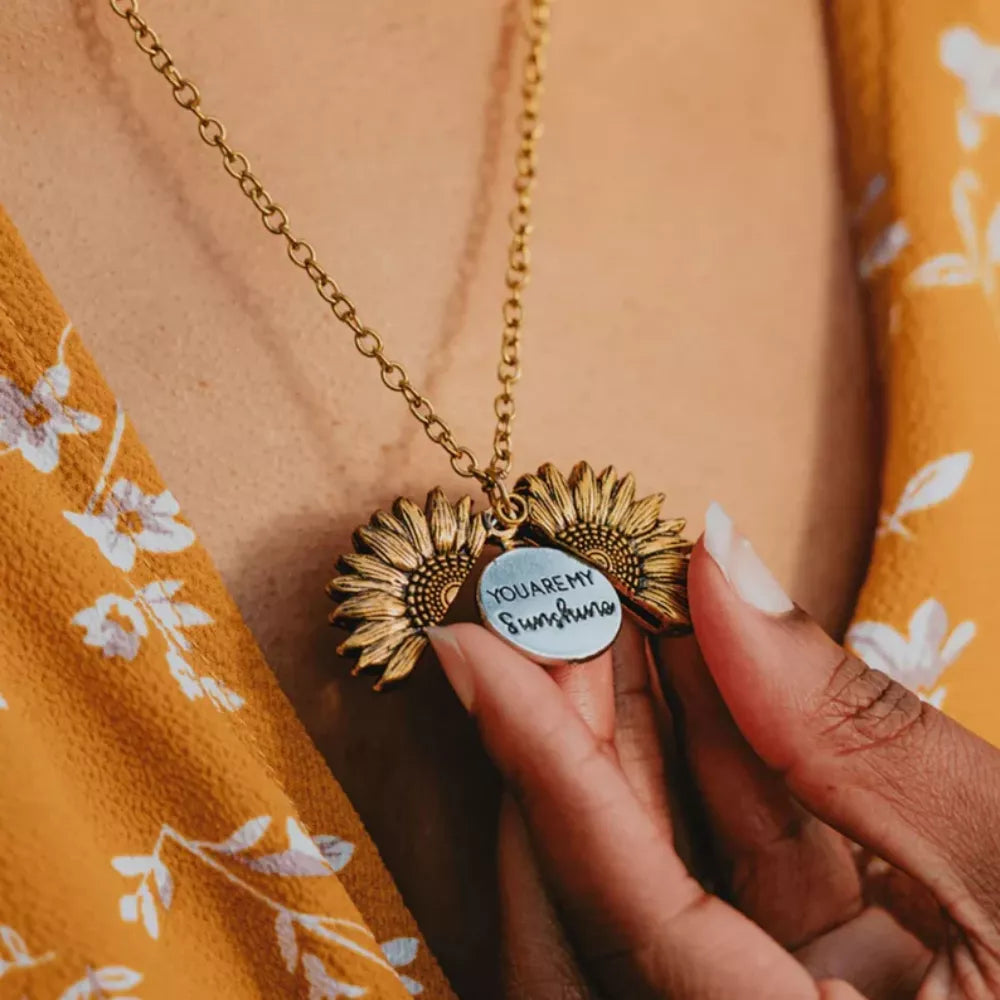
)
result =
(550, 606)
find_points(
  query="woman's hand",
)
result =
(798, 754)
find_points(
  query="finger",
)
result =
(638, 918)
(856, 748)
(537, 958)
(786, 870)
(873, 954)
(642, 726)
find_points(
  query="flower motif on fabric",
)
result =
(977, 65)
(919, 658)
(976, 264)
(932, 484)
(131, 520)
(300, 856)
(118, 625)
(33, 423)
(105, 983)
(115, 625)
(15, 954)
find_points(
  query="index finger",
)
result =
(642, 924)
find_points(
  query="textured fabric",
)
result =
(919, 91)
(168, 829)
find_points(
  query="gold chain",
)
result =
(366, 340)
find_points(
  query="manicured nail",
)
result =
(454, 663)
(742, 567)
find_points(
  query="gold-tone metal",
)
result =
(366, 340)
(598, 519)
(407, 568)
(409, 564)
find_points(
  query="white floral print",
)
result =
(400, 952)
(301, 856)
(932, 484)
(115, 625)
(131, 520)
(977, 64)
(918, 659)
(14, 952)
(105, 983)
(33, 424)
(977, 263)
(158, 599)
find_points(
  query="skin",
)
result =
(805, 763)
(703, 300)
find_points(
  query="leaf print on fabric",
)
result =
(322, 986)
(111, 980)
(14, 952)
(157, 883)
(978, 263)
(114, 624)
(336, 851)
(131, 520)
(400, 952)
(919, 658)
(888, 245)
(932, 484)
(977, 65)
(158, 598)
(301, 858)
(32, 424)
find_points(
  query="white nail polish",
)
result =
(742, 567)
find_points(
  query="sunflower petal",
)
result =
(670, 605)
(477, 536)
(605, 486)
(403, 660)
(463, 513)
(415, 523)
(378, 653)
(354, 584)
(394, 549)
(657, 541)
(669, 566)
(540, 516)
(374, 568)
(559, 491)
(370, 605)
(643, 515)
(441, 516)
(621, 499)
(583, 483)
(540, 498)
(374, 631)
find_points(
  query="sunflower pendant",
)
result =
(556, 593)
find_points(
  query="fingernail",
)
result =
(454, 663)
(741, 566)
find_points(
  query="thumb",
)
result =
(855, 747)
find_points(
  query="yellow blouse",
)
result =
(168, 829)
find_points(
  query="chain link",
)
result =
(366, 340)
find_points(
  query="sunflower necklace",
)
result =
(575, 549)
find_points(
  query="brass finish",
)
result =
(366, 340)
(409, 564)
(597, 518)
(407, 569)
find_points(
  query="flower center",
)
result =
(36, 416)
(434, 585)
(117, 618)
(128, 523)
(604, 546)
